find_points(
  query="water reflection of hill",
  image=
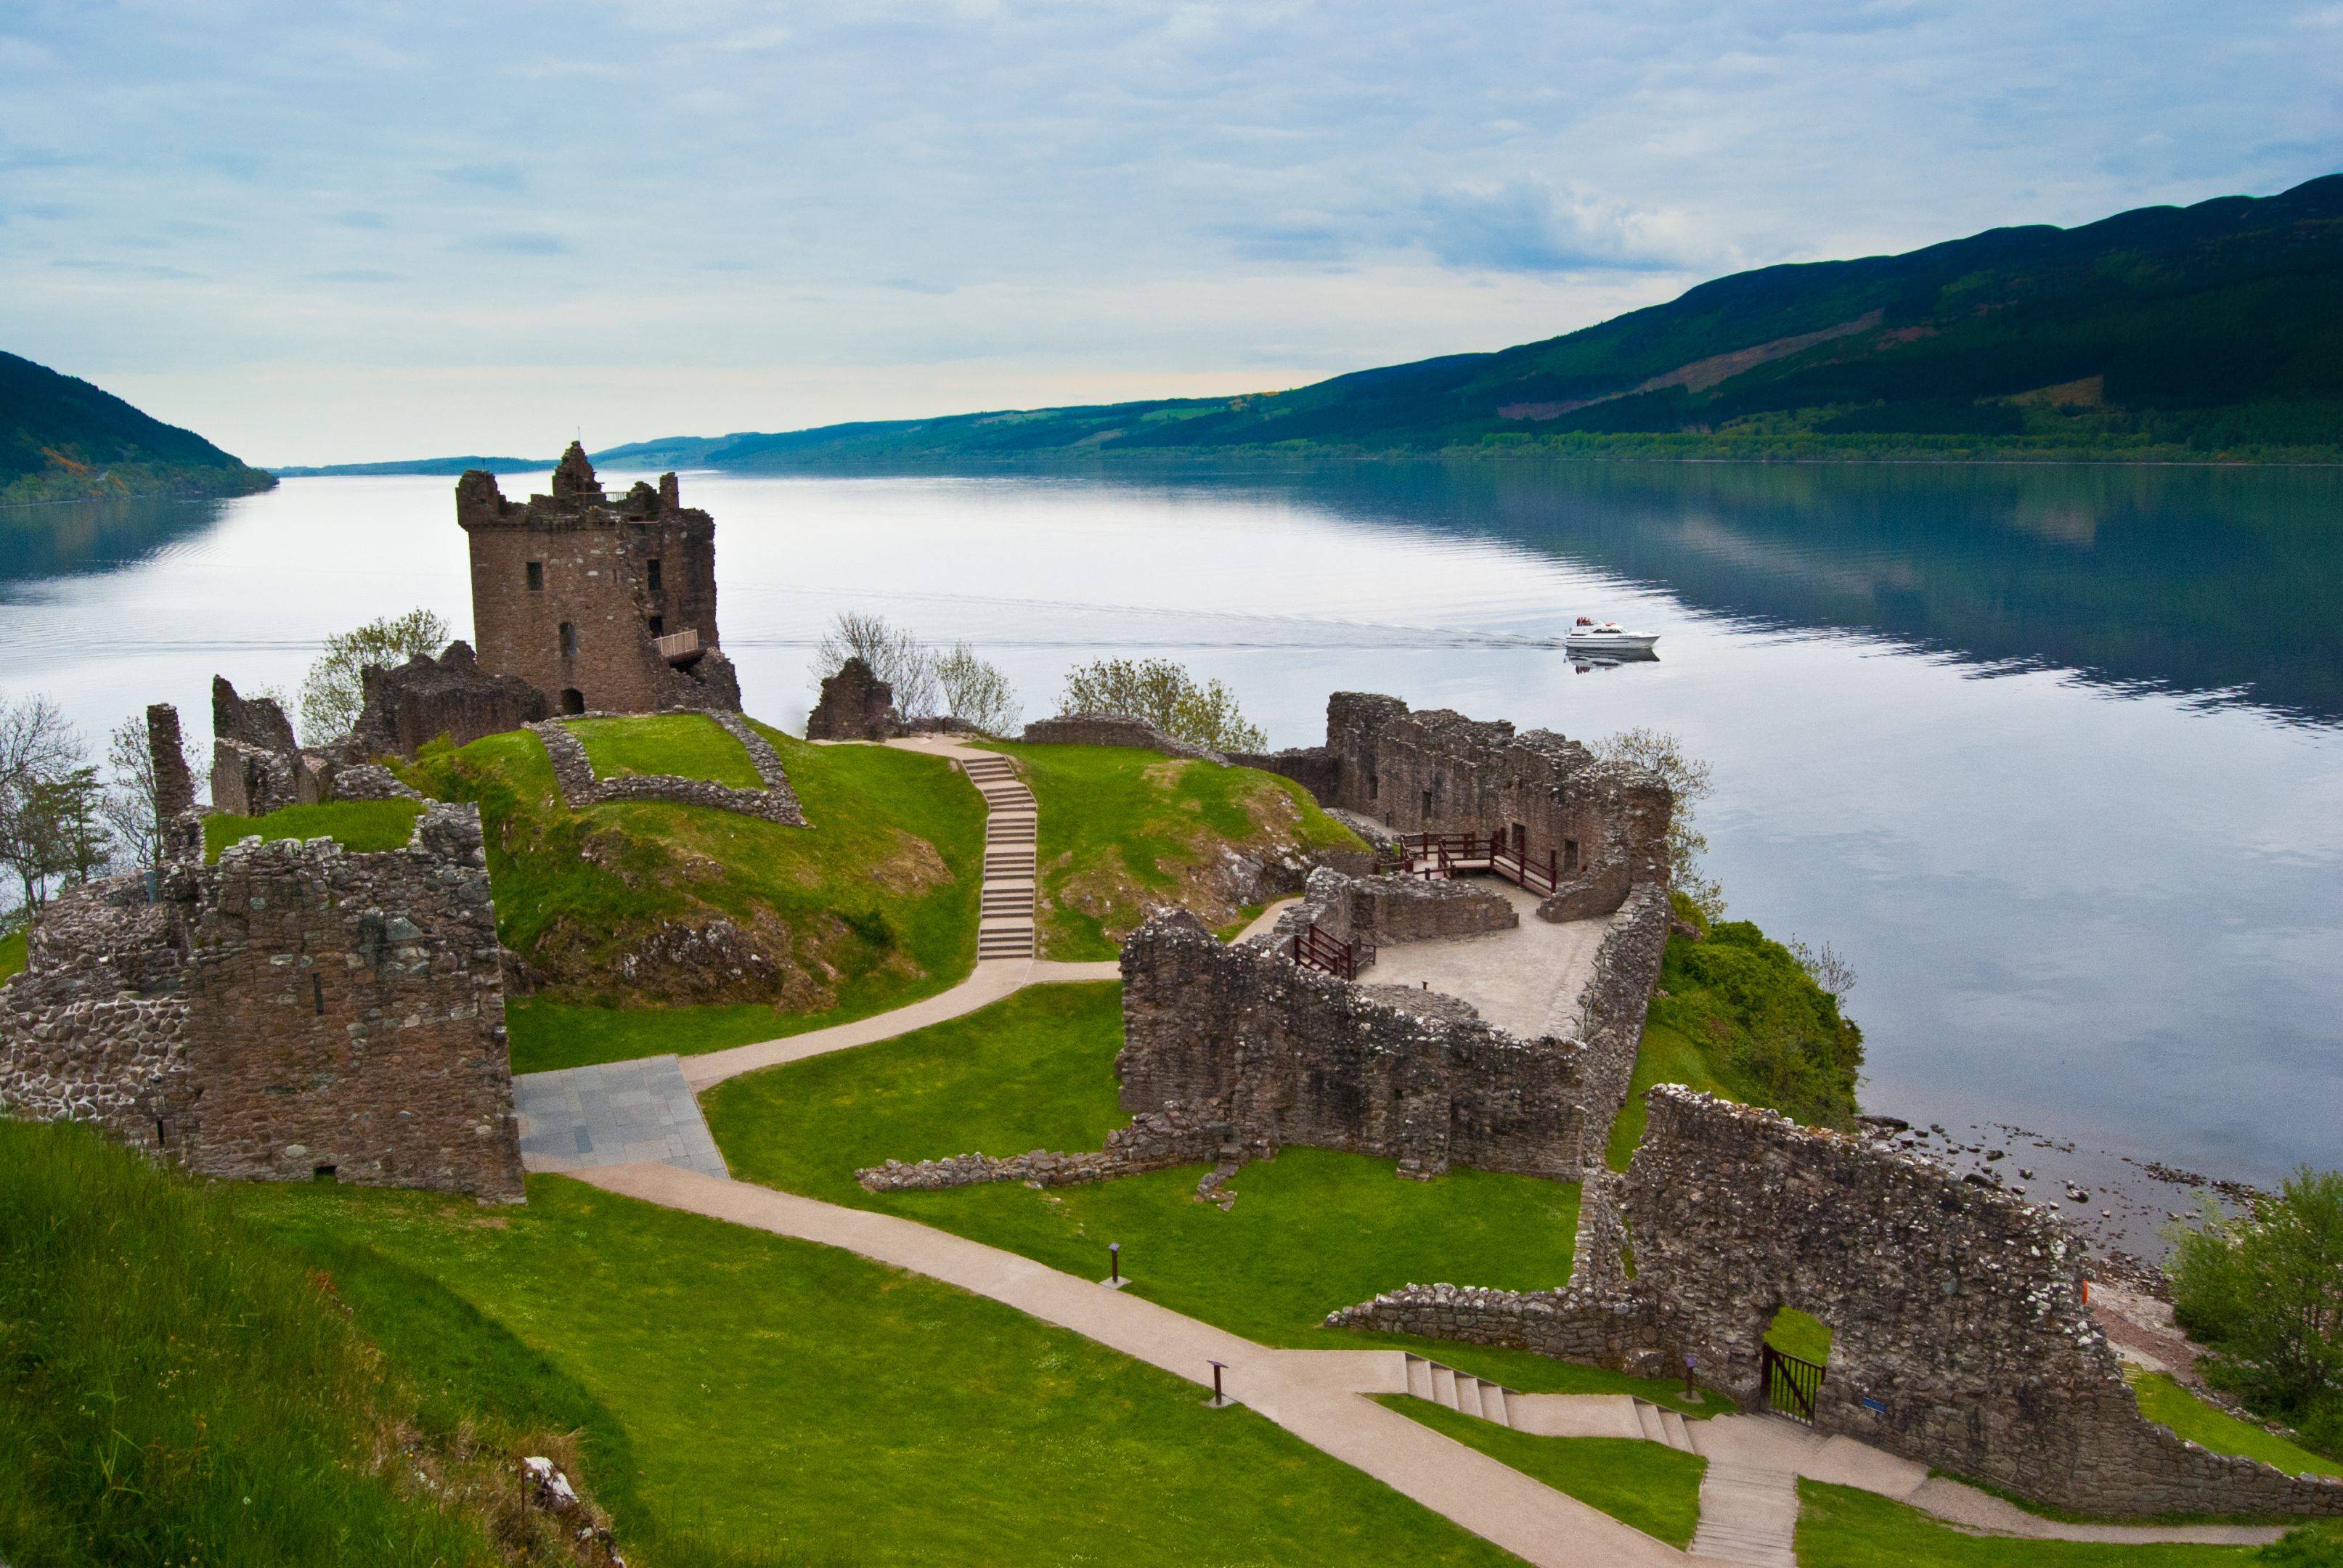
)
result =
(2222, 582)
(76, 536)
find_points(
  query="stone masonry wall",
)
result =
(1177, 1135)
(1291, 1056)
(1602, 826)
(573, 771)
(855, 705)
(257, 767)
(1960, 1337)
(424, 698)
(292, 1009)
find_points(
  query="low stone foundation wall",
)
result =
(573, 771)
(1113, 730)
(1570, 1326)
(1156, 1141)
(372, 781)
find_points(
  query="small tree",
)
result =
(40, 756)
(2266, 1290)
(976, 690)
(1690, 780)
(1160, 692)
(1825, 966)
(895, 656)
(333, 693)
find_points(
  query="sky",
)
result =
(332, 232)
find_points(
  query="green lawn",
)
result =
(1800, 1334)
(872, 906)
(1652, 1487)
(753, 1393)
(11, 952)
(2164, 1400)
(1840, 1527)
(681, 745)
(174, 1390)
(1312, 1230)
(1121, 827)
(361, 825)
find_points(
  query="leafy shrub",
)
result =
(1745, 998)
(1160, 692)
(2266, 1292)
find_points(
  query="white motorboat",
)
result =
(1590, 636)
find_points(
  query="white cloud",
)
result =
(849, 210)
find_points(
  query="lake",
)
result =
(2054, 755)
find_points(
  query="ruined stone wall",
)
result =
(1387, 910)
(257, 766)
(425, 699)
(574, 772)
(1601, 826)
(1618, 998)
(1960, 1336)
(292, 1009)
(1115, 730)
(166, 754)
(1176, 1135)
(1291, 1056)
(855, 705)
(617, 571)
(93, 1027)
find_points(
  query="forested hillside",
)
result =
(62, 438)
(2208, 331)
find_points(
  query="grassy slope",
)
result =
(1742, 1020)
(874, 904)
(1312, 1230)
(1654, 1489)
(11, 952)
(683, 744)
(773, 1394)
(363, 825)
(1120, 827)
(2163, 1400)
(173, 1392)
(1840, 1527)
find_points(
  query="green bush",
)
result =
(1745, 998)
(2266, 1292)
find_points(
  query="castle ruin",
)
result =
(605, 603)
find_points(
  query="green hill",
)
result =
(2214, 330)
(62, 438)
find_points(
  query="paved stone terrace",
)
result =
(614, 1114)
(1528, 980)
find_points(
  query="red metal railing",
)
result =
(1313, 948)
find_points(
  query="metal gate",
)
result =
(1790, 1384)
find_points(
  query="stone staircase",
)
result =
(1004, 927)
(1547, 1416)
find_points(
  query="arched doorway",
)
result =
(572, 701)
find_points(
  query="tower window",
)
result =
(659, 626)
(536, 577)
(568, 640)
(652, 565)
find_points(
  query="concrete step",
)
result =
(1647, 1421)
(1672, 1426)
(1443, 1386)
(1419, 1376)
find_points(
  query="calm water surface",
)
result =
(2056, 755)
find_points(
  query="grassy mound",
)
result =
(680, 745)
(1653, 1488)
(174, 1390)
(870, 907)
(1312, 1230)
(1122, 828)
(362, 825)
(11, 952)
(798, 1402)
(2208, 1426)
(1740, 1019)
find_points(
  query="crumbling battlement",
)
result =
(295, 1009)
(1293, 1056)
(424, 698)
(1960, 1337)
(256, 765)
(1600, 827)
(572, 593)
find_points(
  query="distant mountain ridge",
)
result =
(2211, 331)
(62, 438)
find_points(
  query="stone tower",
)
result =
(605, 603)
